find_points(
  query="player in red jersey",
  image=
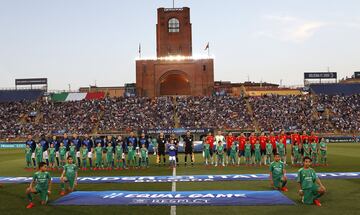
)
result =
(209, 139)
(295, 140)
(263, 140)
(252, 140)
(242, 140)
(313, 137)
(273, 139)
(229, 141)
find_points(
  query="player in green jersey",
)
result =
(119, 155)
(280, 150)
(131, 155)
(38, 153)
(144, 159)
(306, 148)
(323, 152)
(311, 188)
(269, 152)
(257, 153)
(155, 144)
(42, 182)
(247, 153)
(62, 153)
(220, 154)
(233, 153)
(206, 153)
(72, 150)
(52, 155)
(84, 155)
(297, 155)
(278, 174)
(109, 156)
(98, 157)
(69, 175)
(314, 153)
(28, 153)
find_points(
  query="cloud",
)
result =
(289, 28)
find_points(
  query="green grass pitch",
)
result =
(343, 196)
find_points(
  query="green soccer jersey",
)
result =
(98, 151)
(306, 148)
(143, 152)
(207, 150)
(70, 170)
(269, 148)
(72, 151)
(119, 151)
(307, 178)
(296, 150)
(84, 152)
(131, 152)
(247, 147)
(154, 142)
(42, 180)
(220, 149)
(28, 152)
(233, 150)
(38, 151)
(109, 151)
(322, 146)
(257, 147)
(277, 169)
(52, 152)
(313, 148)
(280, 148)
(62, 151)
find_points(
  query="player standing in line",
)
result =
(42, 182)
(252, 140)
(28, 153)
(189, 147)
(172, 154)
(242, 141)
(38, 153)
(69, 175)
(314, 153)
(297, 155)
(247, 153)
(295, 140)
(278, 174)
(77, 144)
(257, 148)
(161, 149)
(44, 147)
(209, 140)
(233, 153)
(229, 142)
(311, 188)
(263, 139)
(323, 152)
(98, 157)
(269, 153)
(155, 145)
(206, 153)
(220, 154)
(119, 154)
(281, 150)
(131, 155)
(84, 154)
(89, 145)
(62, 154)
(283, 139)
(52, 155)
(31, 143)
(56, 144)
(109, 156)
(144, 156)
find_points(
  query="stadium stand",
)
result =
(336, 89)
(20, 95)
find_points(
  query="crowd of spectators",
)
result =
(270, 113)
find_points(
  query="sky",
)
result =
(76, 43)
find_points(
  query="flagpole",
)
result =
(208, 49)
(140, 50)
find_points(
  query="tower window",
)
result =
(174, 25)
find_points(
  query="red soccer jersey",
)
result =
(284, 138)
(252, 140)
(295, 139)
(262, 140)
(242, 141)
(273, 141)
(304, 137)
(229, 141)
(210, 140)
(313, 138)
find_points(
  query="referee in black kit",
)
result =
(189, 147)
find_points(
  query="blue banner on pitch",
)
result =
(191, 198)
(182, 178)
